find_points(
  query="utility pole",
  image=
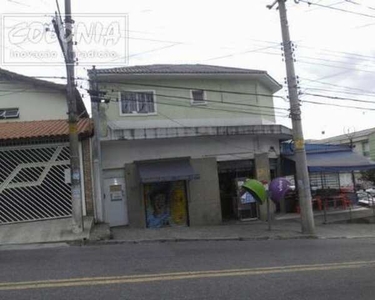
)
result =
(303, 182)
(350, 135)
(96, 147)
(66, 43)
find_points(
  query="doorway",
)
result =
(166, 204)
(229, 172)
(115, 202)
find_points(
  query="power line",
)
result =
(212, 138)
(311, 63)
(193, 88)
(27, 90)
(340, 92)
(336, 85)
(356, 3)
(333, 66)
(212, 108)
(338, 105)
(338, 9)
(340, 98)
(240, 53)
(224, 102)
(364, 57)
(19, 3)
(259, 108)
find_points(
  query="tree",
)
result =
(368, 175)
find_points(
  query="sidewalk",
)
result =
(42, 232)
(253, 230)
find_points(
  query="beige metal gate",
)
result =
(32, 183)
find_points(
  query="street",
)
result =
(285, 269)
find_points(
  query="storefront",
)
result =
(166, 204)
(232, 174)
(173, 192)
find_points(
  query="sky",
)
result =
(334, 48)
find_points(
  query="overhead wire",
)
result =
(212, 138)
(337, 9)
(339, 92)
(340, 98)
(190, 88)
(224, 102)
(356, 3)
(338, 105)
(211, 108)
(336, 85)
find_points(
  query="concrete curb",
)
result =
(34, 246)
(81, 243)
(177, 240)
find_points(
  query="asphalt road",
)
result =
(286, 269)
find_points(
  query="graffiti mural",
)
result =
(166, 204)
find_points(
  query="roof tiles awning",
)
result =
(336, 161)
(172, 170)
(42, 129)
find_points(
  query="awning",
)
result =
(171, 170)
(336, 161)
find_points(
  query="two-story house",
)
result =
(363, 141)
(175, 138)
(34, 150)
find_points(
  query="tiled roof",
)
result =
(177, 69)
(42, 129)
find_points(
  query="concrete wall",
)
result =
(136, 207)
(34, 103)
(176, 103)
(87, 173)
(262, 172)
(204, 198)
(115, 154)
(265, 101)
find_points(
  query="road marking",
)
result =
(74, 282)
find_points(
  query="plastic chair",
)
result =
(345, 201)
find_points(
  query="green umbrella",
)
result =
(256, 189)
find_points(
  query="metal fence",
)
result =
(33, 183)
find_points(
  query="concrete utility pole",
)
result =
(96, 148)
(66, 43)
(303, 183)
(350, 135)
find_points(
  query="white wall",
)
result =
(116, 153)
(34, 103)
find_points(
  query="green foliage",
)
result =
(368, 175)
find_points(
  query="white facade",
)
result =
(34, 103)
(116, 154)
(236, 121)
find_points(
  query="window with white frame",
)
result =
(137, 102)
(198, 97)
(366, 148)
(9, 113)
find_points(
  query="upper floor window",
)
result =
(366, 149)
(137, 102)
(9, 113)
(198, 97)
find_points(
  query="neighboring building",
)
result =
(176, 138)
(34, 150)
(330, 169)
(363, 141)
